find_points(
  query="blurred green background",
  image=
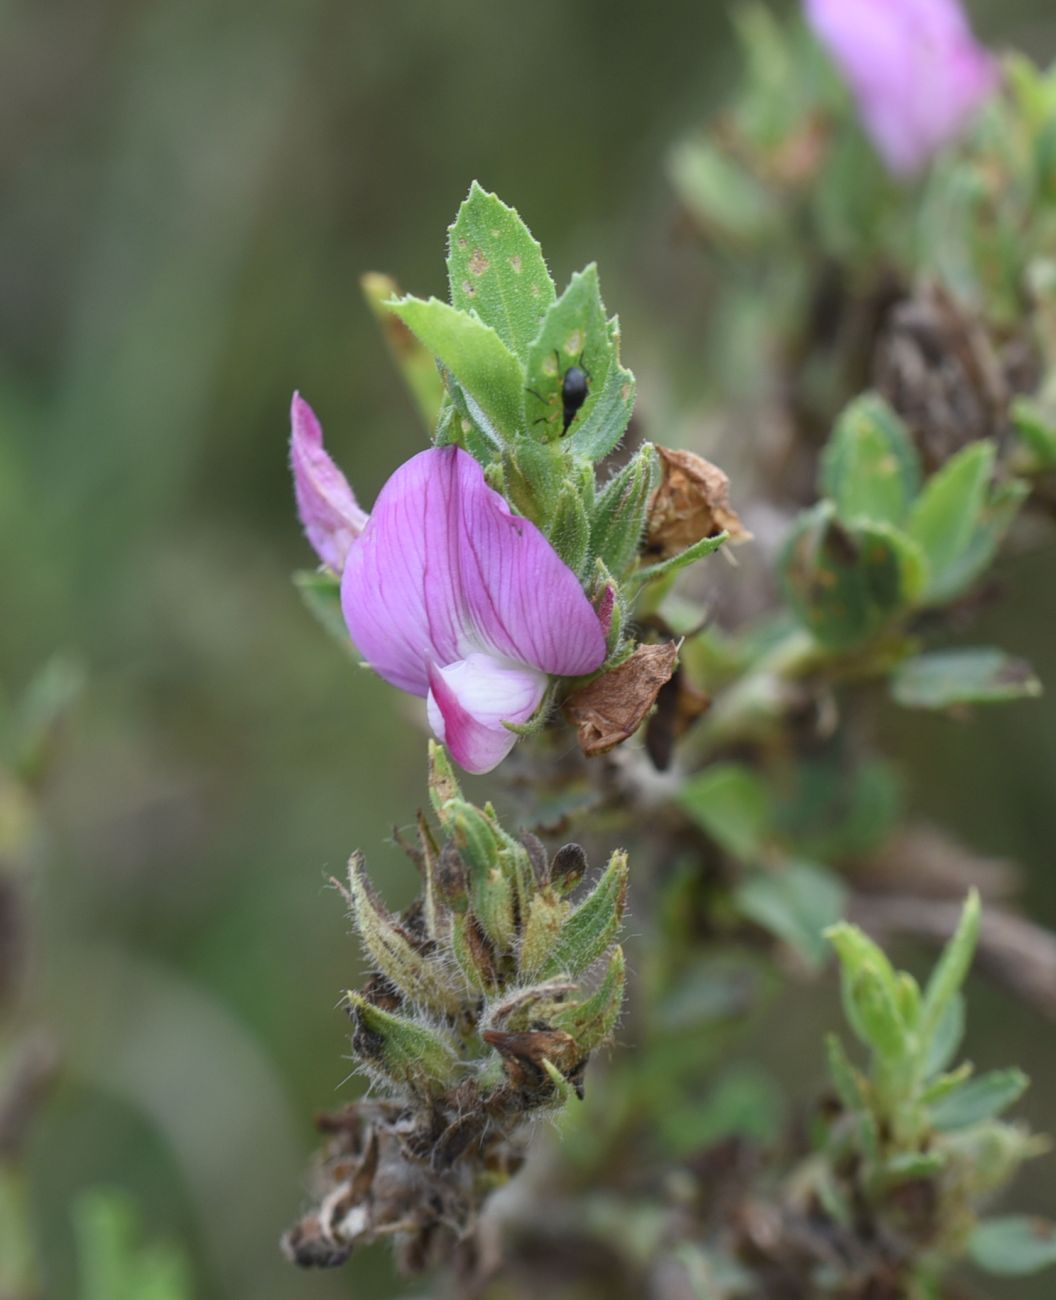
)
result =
(190, 193)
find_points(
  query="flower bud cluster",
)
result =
(488, 997)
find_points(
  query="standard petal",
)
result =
(330, 515)
(523, 601)
(471, 699)
(443, 569)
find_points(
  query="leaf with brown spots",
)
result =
(496, 269)
(609, 709)
(691, 503)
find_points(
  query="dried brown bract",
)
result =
(692, 502)
(609, 709)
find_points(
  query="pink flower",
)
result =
(915, 69)
(448, 594)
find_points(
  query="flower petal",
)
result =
(330, 515)
(916, 71)
(444, 569)
(471, 699)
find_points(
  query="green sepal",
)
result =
(413, 360)
(977, 1100)
(540, 931)
(569, 528)
(407, 1052)
(496, 269)
(619, 512)
(391, 951)
(443, 784)
(591, 927)
(491, 890)
(474, 953)
(877, 1020)
(564, 1090)
(534, 476)
(592, 1021)
(665, 568)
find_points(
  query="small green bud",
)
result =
(406, 1051)
(541, 931)
(443, 784)
(877, 1018)
(392, 951)
(474, 953)
(619, 515)
(567, 868)
(592, 1021)
(569, 530)
(592, 926)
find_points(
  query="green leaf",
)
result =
(994, 522)
(847, 582)
(496, 269)
(952, 967)
(414, 361)
(870, 467)
(599, 427)
(574, 332)
(488, 374)
(945, 518)
(946, 1037)
(797, 903)
(321, 592)
(591, 927)
(1036, 426)
(721, 196)
(979, 1099)
(113, 1266)
(950, 678)
(1014, 1245)
(731, 803)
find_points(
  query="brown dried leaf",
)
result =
(692, 502)
(609, 709)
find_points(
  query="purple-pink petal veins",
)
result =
(446, 585)
(916, 71)
(330, 515)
